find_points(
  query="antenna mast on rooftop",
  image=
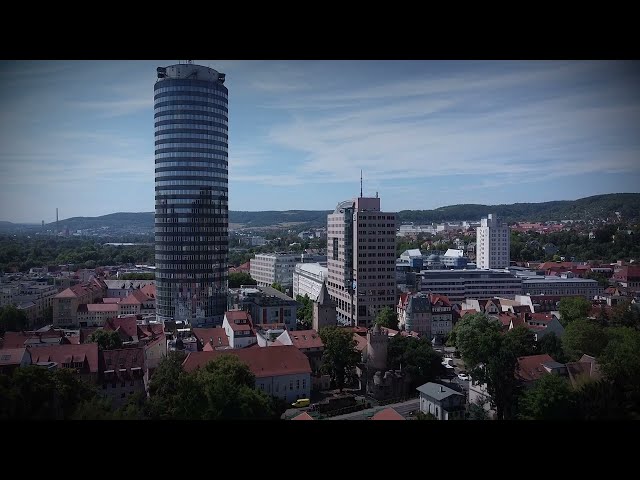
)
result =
(360, 183)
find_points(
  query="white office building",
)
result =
(460, 284)
(493, 243)
(308, 279)
(270, 268)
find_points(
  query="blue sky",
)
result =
(78, 135)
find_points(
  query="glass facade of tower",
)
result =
(191, 194)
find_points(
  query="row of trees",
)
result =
(24, 252)
(612, 242)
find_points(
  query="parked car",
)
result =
(463, 376)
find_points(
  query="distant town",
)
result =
(194, 312)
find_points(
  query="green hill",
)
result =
(595, 207)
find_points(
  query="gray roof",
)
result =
(418, 304)
(323, 296)
(436, 391)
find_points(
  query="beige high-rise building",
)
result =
(361, 258)
(493, 243)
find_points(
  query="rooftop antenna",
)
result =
(190, 62)
(57, 222)
(360, 183)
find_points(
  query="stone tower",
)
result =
(377, 345)
(324, 310)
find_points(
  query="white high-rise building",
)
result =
(493, 243)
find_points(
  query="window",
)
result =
(122, 395)
(291, 385)
(131, 383)
(297, 384)
(123, 384)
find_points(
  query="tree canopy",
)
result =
(237, 279)
(551, 398)
(340, 355)
(304, 313)
(491, 357)
(573, 308)
(12, 319)
(106, 339)
(416, 357)
(388, 318)
(583, 336)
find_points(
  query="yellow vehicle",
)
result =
(301, 402)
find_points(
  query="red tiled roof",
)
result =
(101, 307)
(150, 330)
(530, 368)
(216, 335)
(403, 300)
(135, 298)
(111, 300)
(161, 338)
(306, 339)
(62, 353)
(66, 293)
(435, 297)
(149, 290)
(387, 414)
(126, 358)
(239, 316)
(127, 325)
(541, 317)
(391, 332)
(263, 362)
(303, 416)
(361, 342)
(12, 356)
(505, 319)
(21, 339)
(465, 311)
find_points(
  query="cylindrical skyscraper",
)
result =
(191, 218)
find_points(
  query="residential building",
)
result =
(540, 324)
(191, 194)
(266, 306)
(270, 268)
(83, 359)
(122, 374)
(124, 288)
(238, 328)
(138, 302)
(211, 339)
(283, 372)
(457, 285)
(12, 358)
(493, 243)
(66, 303)
(417, 314)
(628, 276)
(361, 244)
(442, 402)
(95, 314)
(308, 279)
(154, 351)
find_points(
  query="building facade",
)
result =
(458, 285)
(493, 243)
(191, 187)
(270, 268)
(361, 242)
(308, 279)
